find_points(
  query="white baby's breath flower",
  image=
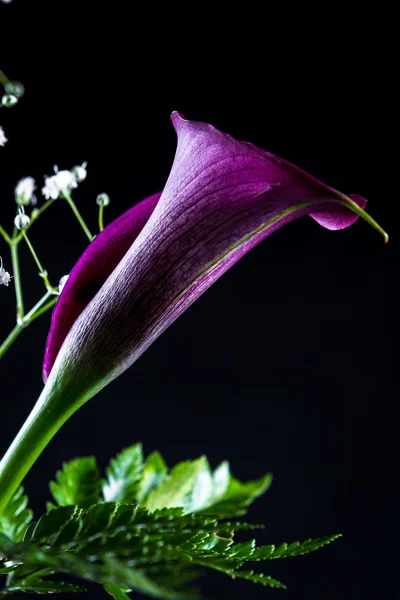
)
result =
(5, 277)
(62, 283)
(24, 192)
(103, 200)
(60, 183)
(3, 138)
(9, 100)
(80, 172)
(22, 221)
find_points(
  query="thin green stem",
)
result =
(35, 256)
(5, 235)
(43, 310)
(38, 310)
(10, 339)
(101, 217)
(34, 218)
(42, 271)
(32, 314)
(17, 280)
(3, 78)
(78, 215)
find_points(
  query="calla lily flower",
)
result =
(222, 198)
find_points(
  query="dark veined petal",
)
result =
(222, 198)
(91, 271)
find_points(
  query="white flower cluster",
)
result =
(5, 277)
(3, 138)
(24, 189)
(63, 181)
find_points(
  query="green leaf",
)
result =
(77, 484)
(237, 497)
(118, 592)
(177, 488)
(156, 547)
(265, 580)
(294, 549)
(46, 587)
(139, 582)
(53, 522)
(7, 570)
(154, 472)
(123, 476)
(16, 517)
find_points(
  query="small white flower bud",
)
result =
(103, 200)
(8, 100)
(22, 221)
(62, 283)
(80, 172)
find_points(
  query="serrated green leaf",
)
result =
(52, 522)
(16, 517)
(139, 582)
(176, 490)
(154, 548)
(290, 550)
(77, 484)
(237, 497)
(46, 587)
(123, 476)
(6, 545)
(118, 592)
(154, 472)
(265, 580)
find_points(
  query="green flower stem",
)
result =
(10, 339)
(101, 217)
(34, 218)
(33, 313)
(42, 271)
(39, 309)
(46, 418)
(17, 280)
(78, 215)
(5, 235)
(44, 309)
(3, 78)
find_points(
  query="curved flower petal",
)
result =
(92, 270)
(222, 198)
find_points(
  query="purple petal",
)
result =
(91, 271)
(222, 198)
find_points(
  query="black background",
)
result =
(285, 365)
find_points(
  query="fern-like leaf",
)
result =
(77, 484)
(16, 517)
(124, 475)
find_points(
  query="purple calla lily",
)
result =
(222, 198)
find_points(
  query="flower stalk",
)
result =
(78, 215)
